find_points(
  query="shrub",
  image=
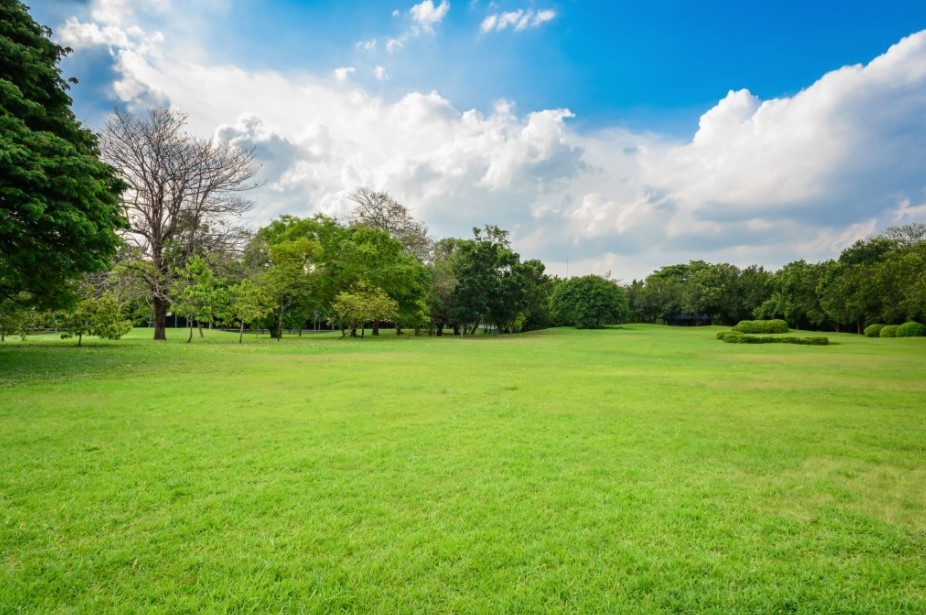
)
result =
(888, 331)
(729, 336)
(911, 329)
(873, 330)
(735, 337)
(761, 326)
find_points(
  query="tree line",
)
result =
(879, 279)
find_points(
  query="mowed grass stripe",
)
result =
(628, 470)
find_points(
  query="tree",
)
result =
(198, 294)
(249, 303)
(60, 203)
(380, 211)
(363, 304)
(291, 278)
(183, 193)
(100, 316)
(590, 302)
(17, 315)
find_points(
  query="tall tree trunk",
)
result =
(375, 327)
(160, 318)
(200, 325)
(241, 332)
(80, 337)
(190, 339)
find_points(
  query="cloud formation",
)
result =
(761, 181)
(426, 15)
(517, 20)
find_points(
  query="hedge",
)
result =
(735, 337)
(911, 329)
(761, 326)
(873, 330)
(888, 331)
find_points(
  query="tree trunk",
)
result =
(241, 332)
(190, 338)
(160, 318)
(200, 325)
(375, 327)
(80, 337)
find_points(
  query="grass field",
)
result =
(641, 469)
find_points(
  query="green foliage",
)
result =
(198, 294)
(363, 304)
(98, 316)
(736, 337)
(911, 329)
(873, 330)
(17, 315)
(249, 303)
(762, 326)
(60, 203)
(589, 302)
(888, 331)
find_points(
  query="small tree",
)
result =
(590, 302)
(249, 302)
(352, 309)
(98, 316)
(199, 294)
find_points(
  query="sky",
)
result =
(606, 137)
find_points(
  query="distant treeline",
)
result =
(881, 279)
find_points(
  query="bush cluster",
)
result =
(888, 331)
(761, 326)
(911, 329)
(873, 330)
(736, 337)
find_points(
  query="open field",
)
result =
(642, 469)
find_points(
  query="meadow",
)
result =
(629, 470)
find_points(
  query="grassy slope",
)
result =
(643, 469)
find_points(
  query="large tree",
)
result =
(590, 302)
(184, 191)
(59, 205)
(381, 211)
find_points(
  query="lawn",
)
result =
(638, 469)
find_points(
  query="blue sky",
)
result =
(622, 135)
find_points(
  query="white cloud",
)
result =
(517, 20)
(367, 45)
(380, 73)
(905, 211)
(341, 74)
(762, 181)
(426, 15)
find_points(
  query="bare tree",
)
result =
(184, 193)
(379, 210)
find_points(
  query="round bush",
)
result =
(873, 330)
(911, 329)
(761, 326)
(888, 331)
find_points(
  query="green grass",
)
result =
(642, 469)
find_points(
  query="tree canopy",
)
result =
(60, 203)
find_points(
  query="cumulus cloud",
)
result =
(517, 20)
(341, 74)
(426, 15)
(761, 181)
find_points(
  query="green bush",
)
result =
(761, 326)
(911, 329)
(735, 337)
(729, 336)
(888, 331)
(873, 330)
